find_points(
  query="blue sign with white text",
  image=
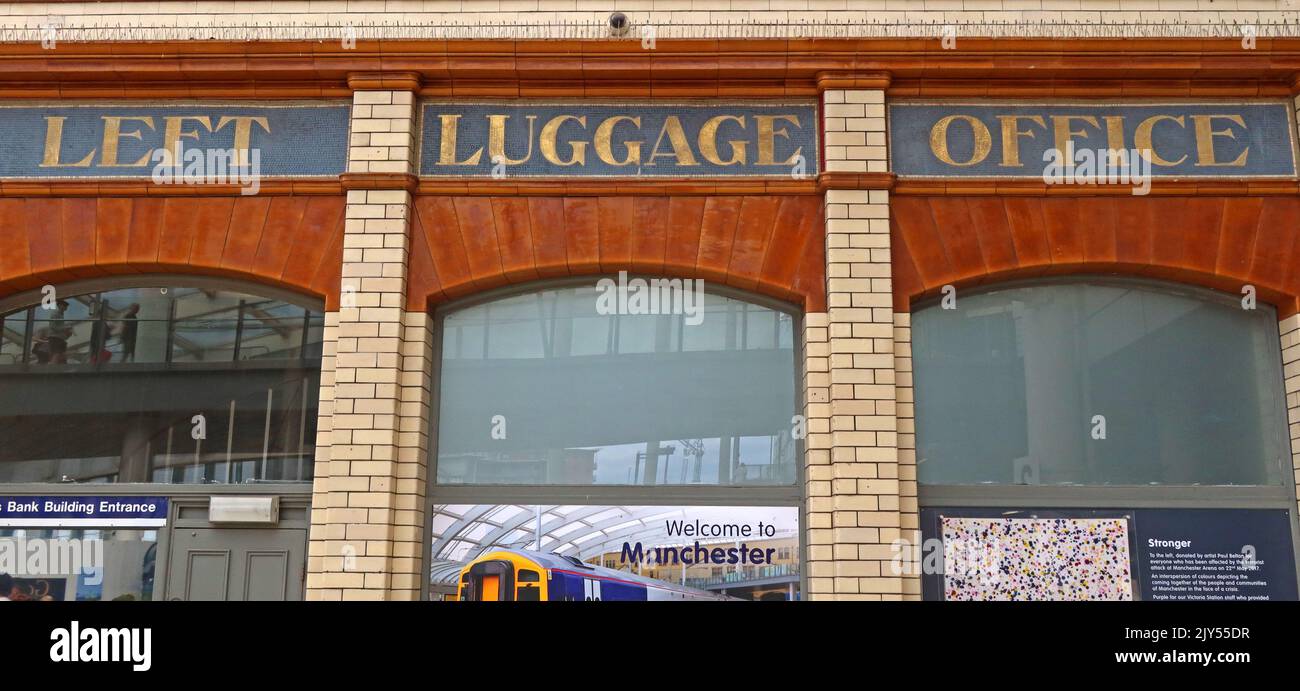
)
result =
(633, 140)
(87, 511)
(1215, 554)
(1014, 140)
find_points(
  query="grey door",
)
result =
(236, 564)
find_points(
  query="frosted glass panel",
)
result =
(542, 389)
(1009, 386)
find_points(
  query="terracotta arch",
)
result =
(1222, 243)
(772, 245)
(284, 241)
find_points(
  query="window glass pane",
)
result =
(206, 325)
(13, 337)
(761, 329)
(108, 405)
(137, 324)
(271, 331)
(516, 332)
(545, 389)
(1009, 387)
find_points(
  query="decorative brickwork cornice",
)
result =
(736, 68)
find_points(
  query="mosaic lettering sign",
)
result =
(627, 140)
(131, 141)
(1013, 140)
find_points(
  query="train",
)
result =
(525, 576)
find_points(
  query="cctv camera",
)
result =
(619, 24)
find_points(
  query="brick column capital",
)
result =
(828, 81)
(384, 81)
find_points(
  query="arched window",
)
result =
(168, 384)
(567, 386)
(1098, 382)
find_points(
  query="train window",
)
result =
(529, 576)
(529, 593)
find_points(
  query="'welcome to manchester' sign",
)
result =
(625, 140)
(1013, 140)
(127, 141)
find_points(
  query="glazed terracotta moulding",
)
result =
(766, 244)
(762, 236)
(681, 68)
(287, 241)
(1220, 242)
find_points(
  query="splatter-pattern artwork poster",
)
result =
(1036, 559)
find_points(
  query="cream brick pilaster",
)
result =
(1290, 331)
(818, 538)
(908, 506)
(368, 496)
(855, 500)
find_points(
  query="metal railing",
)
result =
(745, 575)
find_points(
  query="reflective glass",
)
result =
(543, 388)
(1097, 383)
(172, 385)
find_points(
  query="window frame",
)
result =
(1117, 497)
(29, 298)
(792, 495)
(451, 490)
